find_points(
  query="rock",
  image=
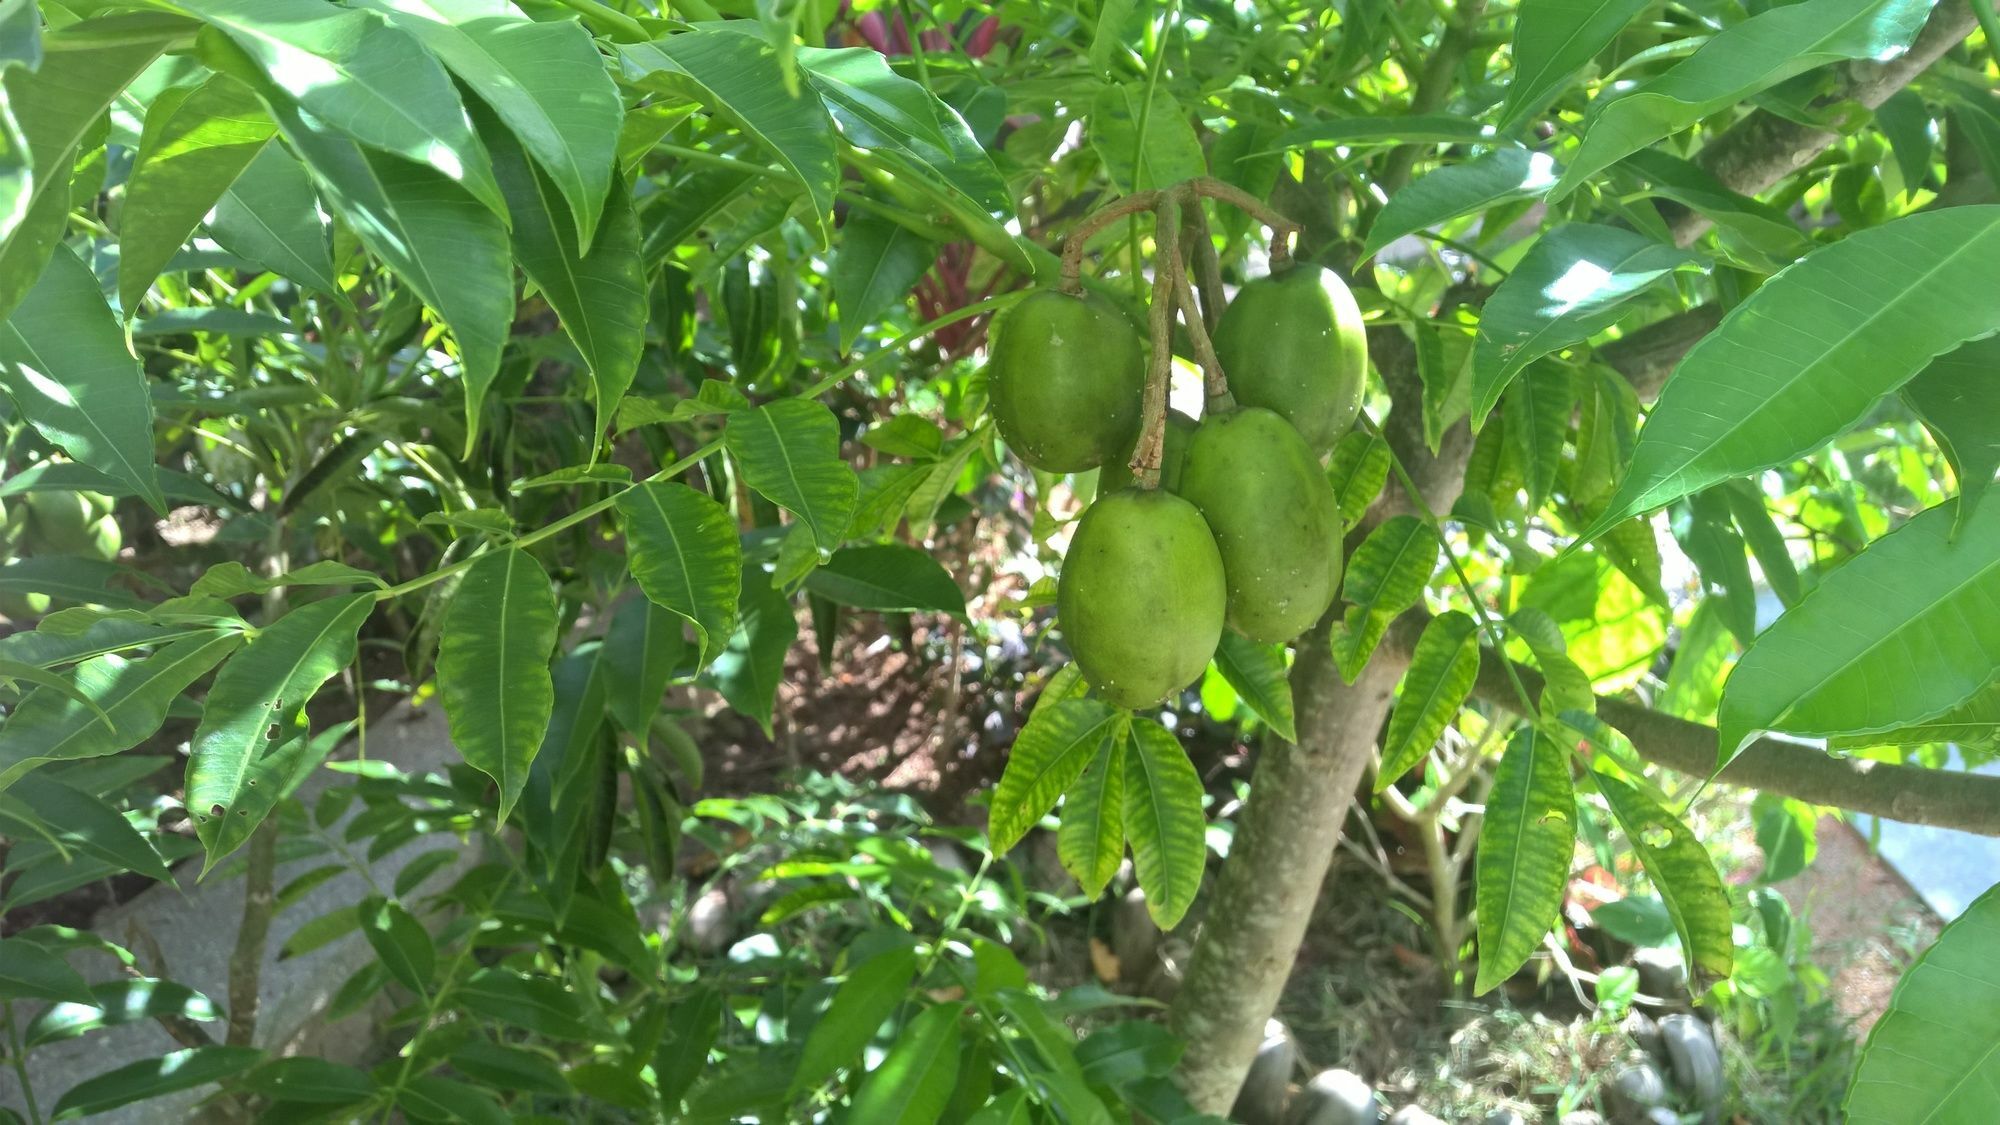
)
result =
(1503, 1117)
(1581, 1117)
(1697, 1064)
(1135, 939)
(1265, 1088)
(1644, 1033)
(1635, 1090)
(1335, 1097)
(708, 922)
(1411, 1115)
(1661, 1115)
(1661, 972)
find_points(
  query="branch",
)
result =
(1647, 356)
(1764, 148)
(1968, 802)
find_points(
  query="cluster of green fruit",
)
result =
(54, 523)
(1243, 529)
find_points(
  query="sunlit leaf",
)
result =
(1553, 39)
(1958, 397)
(1091, 841)
(1442, 670)
(1682, 873)
(1257, 673)
(1164, 821)
(914, 1081)
(1525, 844)
(151, 1078)
(790, 452)
(1456, 190)
(1385, 577)
(872, 992)
(1059, 741)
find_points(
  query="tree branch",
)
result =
(1647, 356)
(1968, 802)
(1764, 148)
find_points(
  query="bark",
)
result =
(1646, 357)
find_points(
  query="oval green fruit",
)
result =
(1066, 378)
(1117, 472)
(61, 522)
(1275, 518)
(1293, 343)
(1141, 598)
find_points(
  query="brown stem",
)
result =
(1212, 381)
(246, 964)
(1282, 228)
(1153, 418)
(1208, 266)
(1089, 225)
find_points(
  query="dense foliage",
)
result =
(1588, 393)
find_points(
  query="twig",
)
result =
(1282, 228)
(1213, 382)
(1153, 418)
(246, 963)
(1088, 227)
(1208, 266)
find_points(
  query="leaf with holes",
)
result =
(254, 718)
(1061, 739)
(790, 453)
(1684, 875)
(1164, 821)
(493, 666)
(1811, 352)
(1901, 633)
(1442, 669)
(1385, 577)
(686, 557)
(1091, 841)
(1524, 853)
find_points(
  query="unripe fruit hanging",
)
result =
(1118, 471)
(1275, 518)
(1066, 380)
(1141, 598)
(1293, 343)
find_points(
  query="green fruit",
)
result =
(1275, 519)
(1293, 343)
(1117, 472)
(18, 608)
(1141, 598)
(1066, 379)
(60, 522)
(105, 540)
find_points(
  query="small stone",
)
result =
(1661, 1115)
(1335, 1097)
(1644, 1033)
(1635, 1089)
(1581, 1117)
(1411, 1115)
(1503, 1117)
(1661, 972)
(1268, 1084)
(1696, 1062)
(708, 922)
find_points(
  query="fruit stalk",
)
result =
(1208, 267)
(1153, 413)
(1217, 387)
(1282, 229)
(1089, 225)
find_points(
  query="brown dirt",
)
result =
(1866, 921)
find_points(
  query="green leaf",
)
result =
(246, 754)
(545, 80)
(1416, 128)
(151, 1078)
(1444, 366)
(515, 1068)
(1572, 284)
(1763, 227)
(1974, 722)
(1144, 146)
(1525, 844)
(493, 666)
(915, 1080)
(233, 579)
(69, 577)
(270, 216)
(1734, 64)
(1902, 632)
(741, 77)
(747, 672)
(1090, 842)
(600, 296)
(446, 1100)
(82, 823)
(54, 109)
(1442, 669)
(1935, 1054)
(1051, 752)
(1812, 350)
(1708, 537)
(1787, 834)
(1958, 398)
(1682, 873)
(49, 648)
(447, 246)
(686, 557)
(1164, 821)
(29, 972)
(1566, 687)
(874, 269)
(118, 1002)
(1358, 468)
(66, 365)
(1767, 543)
(1385, 577)
(888, 577)
(1694, 681)
(645, 646)
(872, 992)
(790, 453)
(1537, 406)
(133, 694)
(370, 81)
(1257, 674)
(400, 943)
(1501, 176)
(537, 1004)
(314, 1081)
(196, 143)
(1553, 40)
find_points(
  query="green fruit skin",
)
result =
(1117, 472)
(1141, 598)
(1294, 343)
(71, 523)
(1066, 379)
(1275, 518)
